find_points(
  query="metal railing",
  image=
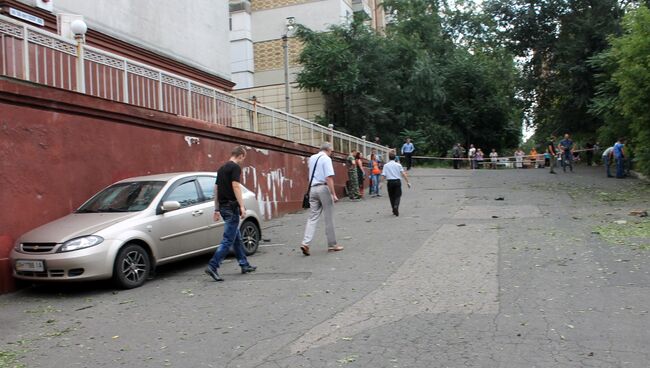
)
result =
(40, 56)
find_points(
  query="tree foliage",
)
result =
(556, 39)
(419, 79)
(471, 71)
(624, 92)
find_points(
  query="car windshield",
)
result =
(123, 197)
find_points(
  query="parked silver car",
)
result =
(130, 227)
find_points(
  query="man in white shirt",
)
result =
(393, 172)
(407, 151)
(321, 199)
(471, 154)
(608, 156)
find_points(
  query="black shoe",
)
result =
(247, 269)
(213, 273)
(396, 212)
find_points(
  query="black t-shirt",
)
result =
(552, 145)
(226, 174)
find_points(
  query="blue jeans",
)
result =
(607, 164)
(620, 167)
(567, 160)
(374, 188)
(231, 238)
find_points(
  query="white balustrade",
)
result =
(39, 56)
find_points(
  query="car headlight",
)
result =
(81, 243)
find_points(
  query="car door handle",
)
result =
(197, 213)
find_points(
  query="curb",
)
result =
(639, 176)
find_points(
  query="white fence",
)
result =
(39, 56)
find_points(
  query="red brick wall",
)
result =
(57, 148)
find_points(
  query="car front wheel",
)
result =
(132, 266)
(250, 236)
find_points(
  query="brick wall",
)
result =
(305, 104)
(271, 4)
(58, 147)
(269, 55)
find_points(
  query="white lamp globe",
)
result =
(78, 27)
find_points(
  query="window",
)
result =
(207, 186)
(185, 194)
(123, 197)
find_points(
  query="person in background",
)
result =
(471, 153)
(377, 155)
(375, 173)
(547, 158)
(533, 158)
(479, 158)
(619, 157)
(407, 151)
(566, 148)
(456, 153)
(393, 172)
(229, 205)
(358, 160)
(321, 199)
(607, 157)
(353, 177)
(494, 157)
(589, 153)
(552, 152)
(519, 158)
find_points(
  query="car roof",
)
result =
(168, 176)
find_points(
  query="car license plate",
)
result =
(34, 266)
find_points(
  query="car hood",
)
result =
(74, 225)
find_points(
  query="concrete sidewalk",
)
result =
(458, 280)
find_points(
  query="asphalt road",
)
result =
(542, 278)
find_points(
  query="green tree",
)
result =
(624, 97)
(421, 79)
(556, 39)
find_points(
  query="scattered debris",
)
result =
(639, 213)
(349, 359)
(499, 198)
(620, 222)
(495, 217)
(459, 225)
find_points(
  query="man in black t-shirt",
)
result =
(553, 152)
(229, 204)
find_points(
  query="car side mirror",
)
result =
(170, 206)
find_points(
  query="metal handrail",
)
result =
(120, 63)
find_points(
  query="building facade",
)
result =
(257, 46)
(190, 35)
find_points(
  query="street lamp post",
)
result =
(79, 29)
(287, 99)
(290, 25)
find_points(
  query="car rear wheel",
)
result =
(132, 266)
(250, 236)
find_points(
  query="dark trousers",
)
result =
(394, 188)
(408, 159)
(456, 163)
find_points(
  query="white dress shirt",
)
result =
(392, 170)
(324, 169)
